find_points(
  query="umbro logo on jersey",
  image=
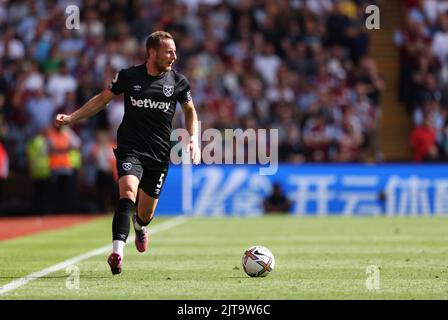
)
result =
(148, 103)
(168, 90)
(137, 87)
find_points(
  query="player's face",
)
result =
(165, 55)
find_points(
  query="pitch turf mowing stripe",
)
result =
(316, 258)
(106, 248)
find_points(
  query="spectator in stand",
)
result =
(59, 84)
(63, 170)
(106, 175)
(11, 47)
(267, 63)
(33, 79)
(39, 170)
(425, 67)
(318, 137)
(364, 110)
(40, 110)
(368, 74)
(430, 91)
(350, 138)
(423, 141)
(338, 24)
(70, 46)
(431, 109)
(291, 149)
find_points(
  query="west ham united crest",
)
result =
(127, 166)
(168, 90)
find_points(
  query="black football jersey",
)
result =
(150, 103)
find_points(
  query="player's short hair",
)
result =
(154, 39)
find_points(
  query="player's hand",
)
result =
(62, 119)
(193, 149)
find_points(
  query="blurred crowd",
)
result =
(423, 43)
(299, 66)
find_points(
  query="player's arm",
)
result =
(191, 124)
(91, 107)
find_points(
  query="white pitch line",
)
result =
(39, 274)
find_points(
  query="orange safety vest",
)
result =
(59, 149)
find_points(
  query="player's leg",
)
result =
(148, 196)
(130, 172)
(128, 187)
(145, 211)
(145, 208)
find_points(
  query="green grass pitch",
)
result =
(316, 258)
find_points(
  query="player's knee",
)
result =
(128, 193)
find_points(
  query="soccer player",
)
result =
(151, 91)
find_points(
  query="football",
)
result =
(258, 261)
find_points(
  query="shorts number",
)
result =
(159, 185)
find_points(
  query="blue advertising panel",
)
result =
(321, 189)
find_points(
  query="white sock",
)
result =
(118, 247)
(137, 226)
